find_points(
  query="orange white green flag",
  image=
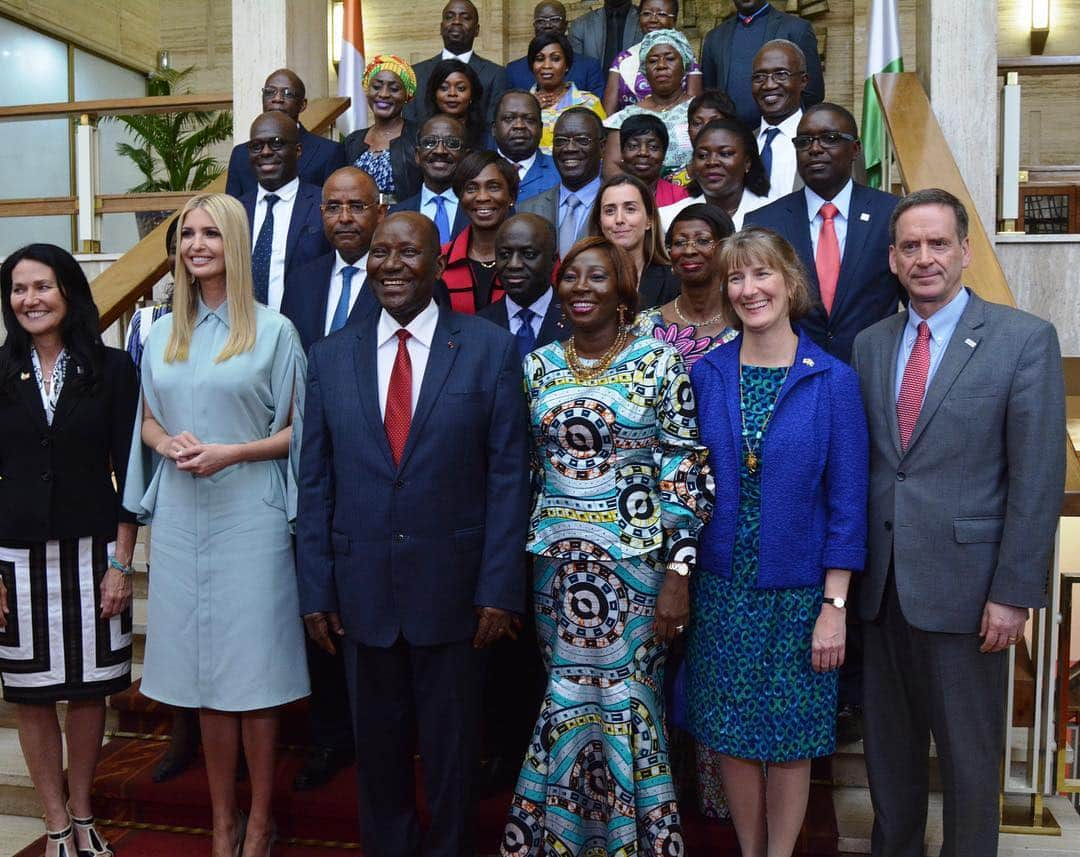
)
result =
(351, 69)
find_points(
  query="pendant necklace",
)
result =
(751, 458)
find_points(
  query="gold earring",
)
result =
(622, 316)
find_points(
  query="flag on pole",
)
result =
(883, 55)
(351, 69)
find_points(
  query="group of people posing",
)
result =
(554, 463)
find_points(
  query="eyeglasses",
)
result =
(827, 140)
(334, 209)
(781, 76)
(430, 143)
(698, 243)
(653, 15)
(286, 92)
(583, 140)
(549, 20)
(276, 144)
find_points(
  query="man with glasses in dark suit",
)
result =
(440, 148)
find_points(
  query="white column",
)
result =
(957, 63)
(88, 184)
(272, 34)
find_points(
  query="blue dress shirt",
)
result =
(942, 325)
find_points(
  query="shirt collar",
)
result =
(203, 312)
(340, 264)
(285, 192)
(586, 194)
(465, 57)
(427, 195)
(422, 327)
(943, 322)
(749, 19)
(842, 201)
(788, 127)
(525, 165)
(538, 306)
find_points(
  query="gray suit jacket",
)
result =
(968, 512)
(589, 32)
(546, 204)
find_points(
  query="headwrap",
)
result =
(395, 65)
(666, 37)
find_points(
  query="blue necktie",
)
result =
(568, 226)
(442, 222)
(260, 256)
(526, 339)
(341, 312)
(766, 152)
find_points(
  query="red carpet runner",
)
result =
(124, 792)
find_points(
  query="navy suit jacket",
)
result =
(716, 57)
(541, 176)
(413, 549)
(554, 327)
(461, 219)
(492, 78)
(867, 290)
(586, 74)
(306, 239)
(307, 288)
(318, 158)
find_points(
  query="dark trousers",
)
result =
(922, 683)
(329, 720)
(850, 685)
(406, 696)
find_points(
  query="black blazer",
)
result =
(461, 219)
(56, 481)
(553, 328)
(318, 158)
(492, 78)
(407, 176)
(867, 290)
(304, 302)
(658, 286)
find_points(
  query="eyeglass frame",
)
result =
(448, 142)
(699, 243)
(352, 205)
(276, 144)
(779, 75)
(802, 142)
(287, 92)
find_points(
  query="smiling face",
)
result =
(454, 95)
(518, 126)
(779, 93)
(486, 198)
(549, 67)
(928, 257)
(664, 70)
(283, 91)
(825, 169)
(643, 157)
(403, 264)
(693, 249)
(274, 150)
(656, 15)
(202, 247)
(577, 147)
(720, 163)
(624, 220)
(460, 26)
(386, 95)
(438, 164)
(349, 233)
(525, 258)
(587, 291)
(759, 296)
(36, 299)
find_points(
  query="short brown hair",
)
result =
(626, 281)
(757, 244)
(930, 196)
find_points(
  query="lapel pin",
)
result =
(970, 343)
(808, 362)
(25, 376)
(450, 344)
(865, 217)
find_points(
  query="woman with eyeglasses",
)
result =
(643, 142)
(627, 82)
(386, 150)
(727, 172)
(550, 57)
(486, 185)
(454, 89)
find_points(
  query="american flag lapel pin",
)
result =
(865, 217)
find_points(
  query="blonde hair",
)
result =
(231, 220)
(756, 245)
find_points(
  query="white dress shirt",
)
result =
(422, 329)
(523, 167)
(428, 207)
(283, 209)
(749, 201)
(842, 201)
(784, 167)
(336, 284)
(539, 309)
(449, 55)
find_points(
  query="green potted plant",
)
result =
(170, 149)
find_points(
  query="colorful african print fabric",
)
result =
(621, 484)
(573, 97)
(683, 338)
(751, 690)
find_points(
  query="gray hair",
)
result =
(791, 46)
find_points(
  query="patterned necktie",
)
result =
(828, 256)
(526, 339)
(260, 255)
(442, 222)
(341, 312)
(913, 385)
(766, 152)
(568, 225)
(398, 415)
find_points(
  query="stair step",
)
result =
(17, 832)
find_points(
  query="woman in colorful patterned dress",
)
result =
(767, 628)
(550, 57)
(621, 493)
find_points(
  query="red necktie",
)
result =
(913, 386)
(399, 399)
(828, 256)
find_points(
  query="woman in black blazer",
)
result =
(67, 407)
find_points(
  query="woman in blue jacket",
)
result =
(768, 601)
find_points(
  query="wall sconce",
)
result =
(1040, 25)
(337, 27)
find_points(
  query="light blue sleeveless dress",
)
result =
(223, 622)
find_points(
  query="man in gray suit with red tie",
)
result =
(966, 410)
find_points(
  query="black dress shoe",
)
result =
(849, 724)
(183, 745)
(320, 766)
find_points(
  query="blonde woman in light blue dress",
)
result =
(208, 466)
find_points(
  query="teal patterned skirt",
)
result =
(751, 691)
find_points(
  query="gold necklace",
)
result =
(583, 373)
(751, 458)
(718, 317)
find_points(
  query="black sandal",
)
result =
(99, 847)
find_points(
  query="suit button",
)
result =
(900, 476)
(888, 525)
(399, 537)
(46, 441)
(46, 476)
(829, 336)
(399, 483)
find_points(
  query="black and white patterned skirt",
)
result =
(55, 645)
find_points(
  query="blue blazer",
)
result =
(304, 303)
(867, 290)
(541, 176)
(412, 550)
(586, 74)
(461, 219)
(306, 239)
(318, 158)
(815, 467)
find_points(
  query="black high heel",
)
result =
(99, 847)
(65, 842)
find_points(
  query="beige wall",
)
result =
(122, 30)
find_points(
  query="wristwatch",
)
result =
(680, 568)
(838, 603)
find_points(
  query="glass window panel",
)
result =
(33, 67)
(118, 232)
(16, 232)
